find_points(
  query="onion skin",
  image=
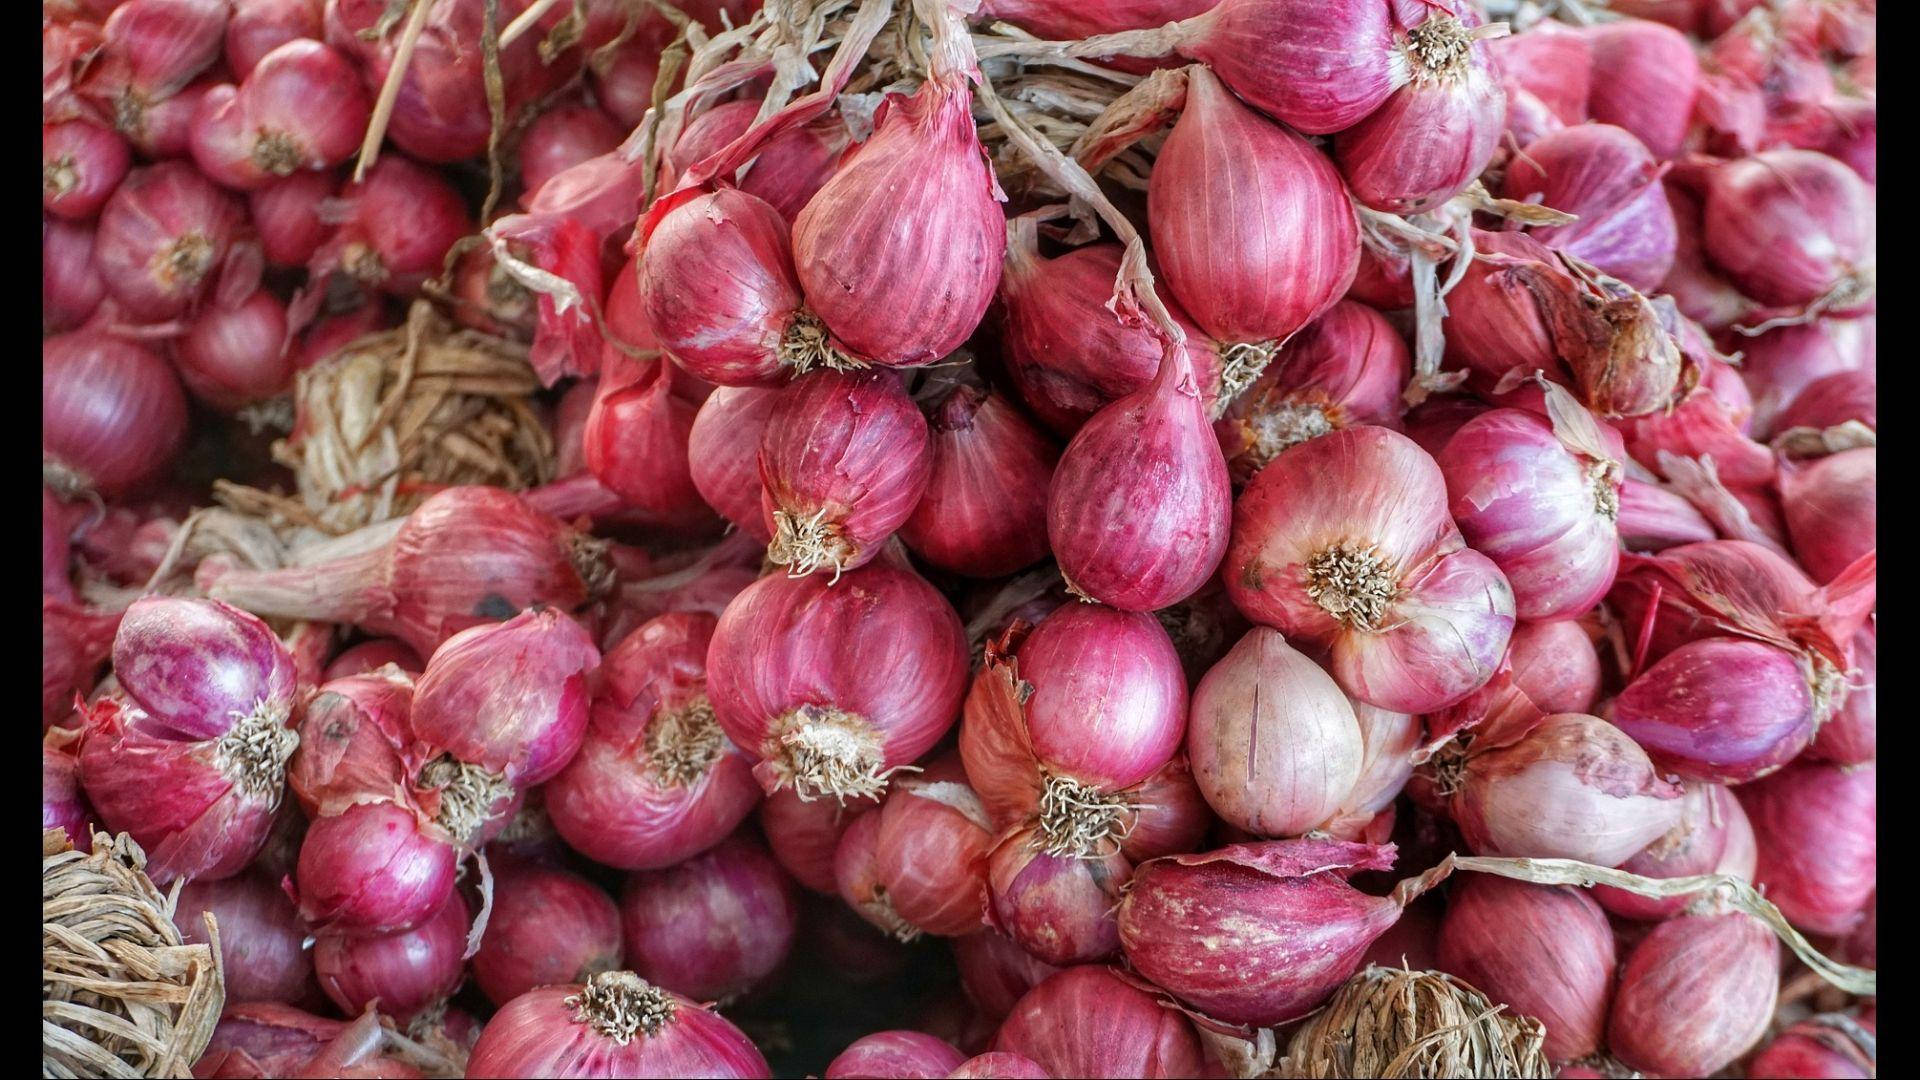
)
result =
(1695, 994)
(804, 834)
(539, 1034)
(1815, 828)
(1441, 632)
(651, 786)
(995, 971)
(1551, 61)
(998, 1065)
(1546, 952)
(527, 720)
(406, 972)
(1605, 176)
(1087, 1021)
(635, 440)
(548, 926)
(1170, 814)
(712, 927)
(1722, 709)
(933, 837)
(1058, 908)
(163, 237)
(371, 656)
(984, 510)
(908, 1055)
(353, 734)
(1850, 736)
(371, 249)
(1704, 842)
(1831, 510)
(1556, 665)
(1812, 217)
(112, 414)
(1289, 220)
(1781, 364)
(1822, 1046)
(723, 455)
(344, 882)
(1644, 79)
(1274, 743)
(62, 804)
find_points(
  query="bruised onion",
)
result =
(1814, 825)
(833, 685)
(984, 510)
(405, 972)
(615, 1024)
(1088, 1021)
(1695, 994)
(904, 1054)
(1546, 952)
(712, 927)
(548, 926)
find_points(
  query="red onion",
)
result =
(332, 333)
(548, 926)
(1438, 130)
(236, 356)
(257, 27)
(1227, 225)
(1274, 743)
(1833, 401)
(834, 685)
(1815, 829)
(636, 440)
(70, 284)
(302, 107)
(164, 43)
(844, 458)
(709, 133)
(1695, 994)
(1066, 353)
(200, 668)
(74, 642)
(1061, 725)
(623, 79)
(509, 697)
(999, 1065)
(906, 296)
(1702, 843)
(562, 137)
(995, 971)
(804, 834)
(614, 1025)
(1551, 61)
(723, 455)
(287, 215)
(1540, 497)
(81, 164)
(655, 781)
(1830, 507)
(907, 1055)
(1607, 178)
(856, 877)
(372, 655)
(355, 735)
(1653, 518)
(62, 804)
(1343, 543)
(1087, 1021)
(1701, 292)
(933, 834)
(984, 510)
(1830, 1045)
(795, 164)
(1345, 368)
(1556, 665)
(1571, 787)
(468, 555)
(163, 237)
(1720, 709)
(1281, 908)
(1169, 814)
(373, 868)
(1544, 952)
(712, 927)
(265, 1039)
(405, 972)
(1644, 76)
(398, 224)
(112, 415)
(1057, 907)
(1848, 738)
(1792, 228)
(1779, 365)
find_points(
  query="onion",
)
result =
(163, 236)
(709, 133)
(984, 510)
(1274, 743)
(1792, 228)
(1281, 908)
(805, 833)
(266, 1039)
(1551, 61)
(1833, 401)
(302, 107)
(636, 440)
(834, 685)
(1779, 365)
(398, 224)
(723, 450)
(164, 43)
(843, 460)
(1169, 813)
(1087, 1021)
(1546, 952)
(1695, 994)
(560, 138)
(712, 927)
(908, 1055)
(62, 804)
(795, 164)
(1719, 709)
(1058, 907)
(1830, 508)
(1086, 707)
(81, 165)
(1830, 1044)
(332, 333)
(1290, 222)
(372, 655)
(465, 556)
(1345, 368)
(616, 1024)
(933, 834)
(1556, 665)
(1384, 280)
(999, 1064)
(112, 415)
(1644, 78)
(995, 971)
(372, 868)
(1343, 543)
(1654, 518)
(856, 877)
(1603, 175)
(405, 972)
(354, 733)
(656, 781)
(70, 284)
(1814, 826)
(548, 926)
(1540, 497)
(260, 936)
(236, 356)
(1571, 787)
(1848, 738)
(1701, 843)
(257, 27)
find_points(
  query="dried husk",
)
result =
(1389, 1022)
(121, 994)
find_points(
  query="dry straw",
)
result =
(1391, 1023)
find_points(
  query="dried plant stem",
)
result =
(390, 90)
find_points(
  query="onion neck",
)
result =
(276, 152)
(805, 544)
(468, 794)
(1438, 49)
(1240, 367)
(683, 744)
(821, 750)
(254, 751)
(1605, 478)
(1352, 584)
(1285, 426)
(807, 344)
(1079, 821)
(879, 910)
(592, 560)
(352, 589)
(620, 1005)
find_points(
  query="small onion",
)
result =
(1830, 508)
(1850, 736)
(1546, 952)
(1792, 228)
(261, 939)
(62, 804)
(805, 833)
(984, 510)
(712, 927)
(995, 971)
(1827, 1045)
(548, 926)
(906, 1055)
(1720, 709)
(1814, 825)
(616, 1024)
(933, 837)
(372, 869)
(70, 284)
(81, 165)
(1088, 1021)
(1605, 177)
(999, 1065)
(163, 238)
(1702, 843)
(723, 455)
(112, 414)
(1059, 908)
(1644, 78)
(406, 972)
(1695, 994)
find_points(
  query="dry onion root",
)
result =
(1392, 1023)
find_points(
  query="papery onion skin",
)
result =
(371, 655)
(908, 1055)
(1702, 843)
(723, 455)
(712, 927)
(62, 804)
(1695, 994)
(1547, 952)
(1790, 227)
(406, 971)
(878, 659)
(1605, 176)
(933, 836)
(1000, 1065)
(1831, 510)
(995, 971)
(548, 926)
(1273, 741)
(542, 1034)
(1722, 709)
(984, 510)
(346, 882)
(260, 936)
(1086, 1021)
(1059, 908)
(1814, 825)
(1781, 364)
(1644, 78)
(112, 414)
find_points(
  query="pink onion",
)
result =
(62, 804)
(1088, 1021)
(373, 869)
(1644, 77)
(164, 43)
(1720, 709)
(1695, 994)
(1545, 952)
(163, 237)
(405, 972)
(74, 643)
(1833, 401)
(1058, 907)
(999, 1064)
(1792, 228)
(1829, 1044)
(616, 1024)
(548, 926)
(1848, 737)
(562, 137)
(1343, 543)
(1779, 365)
(1556, 665)
(1830, 508)
(804, 834)
(908, 1055)
(635, 440)
(301, 108)
(933, 837)
(257, 27)
(112, 415)
(70, 284)
(371, 655)
(1551, 61)
(712, 927)
(1607, 178)
(995, 971)
(236, 356)
(399, 223)
(81, 165)
(984, 510)
(833, 685)
(1701, 843)
(1814, 826)
(261, 939)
